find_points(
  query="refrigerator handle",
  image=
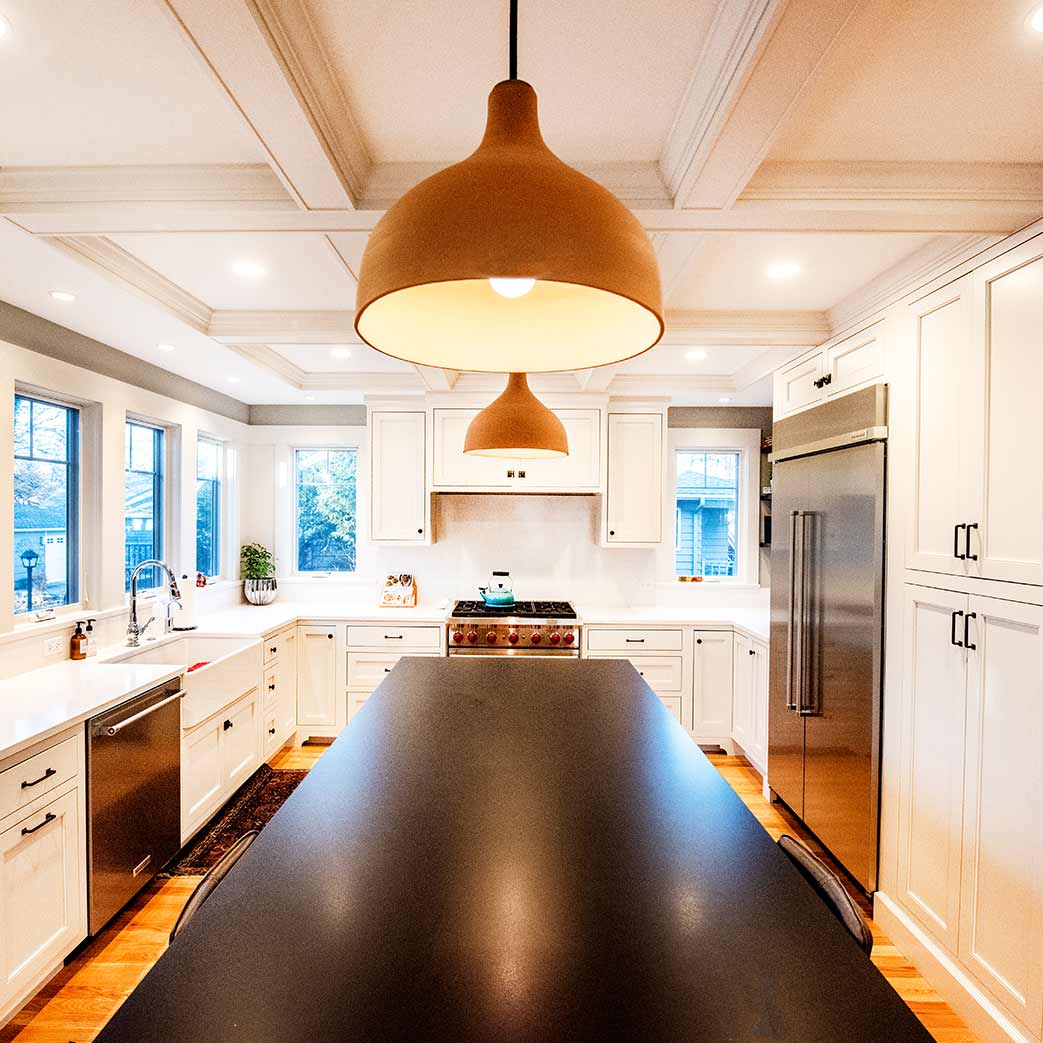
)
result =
(791, 626)
(803, 709)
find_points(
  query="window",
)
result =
(208, 507)
(325, 509)
(706, 539)
(46, 504)
(142, 501)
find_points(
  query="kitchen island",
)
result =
(507, 851)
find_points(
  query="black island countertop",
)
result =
(499, 850)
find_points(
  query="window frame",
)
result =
(294, 449)
(160, 492)
(745, 442)
(74, 465)
(220, 484)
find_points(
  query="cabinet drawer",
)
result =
(673, 704)
(633, 641)
(661, 673)
(271, 648)
(393, 638)
(271, 686)
(270, 739)
(39, 774)
(367, 669)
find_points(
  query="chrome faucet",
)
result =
(134, 631)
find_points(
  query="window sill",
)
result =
(63, 620)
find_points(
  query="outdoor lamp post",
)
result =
(29, 560)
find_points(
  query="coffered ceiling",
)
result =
(204, 174)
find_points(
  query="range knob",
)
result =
(513, 637)
(458, 637)
(555, 638)
(569, 638)
(535, 638)
(491, 637)
(472, 637)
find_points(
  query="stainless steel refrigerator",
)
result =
(827, 587)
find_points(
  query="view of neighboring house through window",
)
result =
(46, 504)
(706, 526)
(143, 501)
(325, 509)
(208, 507)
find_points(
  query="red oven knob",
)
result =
(513, 637)
(491, 637)
(472, 637)
(569, 638)
(534, 637)
(555, 638)
(458, 637)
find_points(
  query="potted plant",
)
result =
(257, 567)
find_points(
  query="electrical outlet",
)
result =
(53, 646)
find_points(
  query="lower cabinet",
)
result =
(365, 672)
(217, 757)
(316, 677)
(713, 668)
(750, 700)
(43, 913)
(279, 693)
(664, 674)
(970, 852)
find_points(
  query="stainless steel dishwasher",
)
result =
(133, 797)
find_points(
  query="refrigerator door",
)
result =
(840, 704)
(785, 726)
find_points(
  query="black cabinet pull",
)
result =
(752, 652)
(698, 640)
(228, 724)
(635, 640)
(952, 630)
(387, 669)
(611, 532)
(394, 637)
(271, 731)
(956, 541)
(330, 636)
(271, 688)
(967, 542)
(967, 631)
(420, 532)
(827, 379)
(273, 650)
(521, 474)
(47, 818)
(36, 782)
(510, 474)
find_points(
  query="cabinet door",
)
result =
(239, 742)
(454, 470)
(1001, 924)
(742, 708)
(855, 360)
(316, 677)
(398, 489)
(946, 449)
(634, 496)
(930, 799)
(202, 774)
(757, 751)
(1008, 302)
(713, 684)
(580, 469)
(42, 914)
(795, 385)
(286, 707)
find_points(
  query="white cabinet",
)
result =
(452, 470)
(316, 677)
(633, 514)
(366, 670)
(750, 700)
(239, 750)
(712, 686)
(798, 385)
(286, 703)
(42, 893)
(399, 505)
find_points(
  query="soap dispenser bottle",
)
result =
(78, 643)
(92, 639)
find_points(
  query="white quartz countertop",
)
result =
(44, 702)
(753, 622)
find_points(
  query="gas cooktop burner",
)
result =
(519, 610)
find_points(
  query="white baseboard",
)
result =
(959, 989)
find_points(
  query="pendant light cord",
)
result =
(513, 63)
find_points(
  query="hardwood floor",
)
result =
(78, 1002)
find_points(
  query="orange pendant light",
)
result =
(516, 425)
(510, 261)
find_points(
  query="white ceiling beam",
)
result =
(283, 327)
(759, 57)
(376, 383)
(268, 59)
(437, 379)
(597, 379)
(675, 253)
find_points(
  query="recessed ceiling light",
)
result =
(724, 400)
(247, 269)
(5, 27)
(695, 356)
(233, 380)
(63, 295)
(781, 270)
(166, 347)
(1035, 20)
(340, 353)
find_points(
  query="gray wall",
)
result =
(720, 416)
(309, 416)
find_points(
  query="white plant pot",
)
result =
(260, 591)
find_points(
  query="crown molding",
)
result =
(752, 328)
(437, 379)
(264, 357)
(284, 327)
(128, 271)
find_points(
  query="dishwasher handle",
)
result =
(115, 729)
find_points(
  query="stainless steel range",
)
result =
(529, 628)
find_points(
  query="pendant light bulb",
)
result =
(512, 288)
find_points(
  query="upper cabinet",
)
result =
(976, 503)
(633, 514)
(399, 504)
(830, 371)
(454, 471)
